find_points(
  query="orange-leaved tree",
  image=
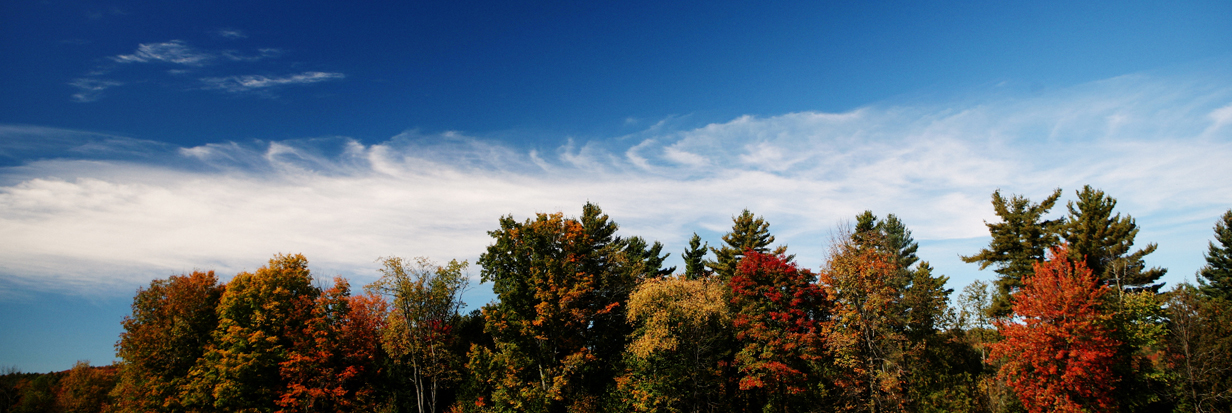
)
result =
(85, 389)
(333, 363)
(167, 332)
(866, 332)
(1058, 350)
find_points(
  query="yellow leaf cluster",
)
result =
(672, 309)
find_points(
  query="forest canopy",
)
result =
(587, 319)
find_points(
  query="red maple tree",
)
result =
(778, 324)
(1057, 349)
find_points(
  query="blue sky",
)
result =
(143, 140)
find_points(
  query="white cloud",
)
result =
(231, 34)
(190, 59)
(89, 90)
(81, 224)
(256, 82)
(175, 51)
(179, 52)
(1220, 117)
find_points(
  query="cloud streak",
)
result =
(89, 90)
(188, 59)
(180, 53)
(231, 34)
(1159, 145)
(237, 84)
(175, 51)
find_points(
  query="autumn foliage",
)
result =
(866, 335)
(1057, 349)
(169, 329)
(334, 362)
(779, 323)
(586, 320)
(678, 358)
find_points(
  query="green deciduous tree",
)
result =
(979, 333)
(1199, 344)
(1215, 277)
(169, 329)
(1138, 325)
(31, 392)
(942, 369)
(422, 326)
(972, 313)
(1019, 241)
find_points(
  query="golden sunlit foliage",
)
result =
(683, 335)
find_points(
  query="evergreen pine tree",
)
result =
(893, 238)
(864, 233)
(898, 240)
(889, 233)
(749, 233)
(694, 266)
(1216, 277)
(1103, 241)
(1018, 242)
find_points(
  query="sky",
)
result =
(140, 140)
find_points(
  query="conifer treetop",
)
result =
(749, 233)
(1215, 277)
(1103, 241)
(1018, 242)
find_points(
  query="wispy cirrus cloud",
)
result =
(231, 34)
(179, 52)
(175, 51)
(255, 82)
(189, 60)
(89, 90)
(1158, 144)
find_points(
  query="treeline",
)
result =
(81, 389)
(586, 320)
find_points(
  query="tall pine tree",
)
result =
(1018, 242)
(1216, 277)
(933, 369)
(749, 233)
(890, 234)
(1103, 241)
